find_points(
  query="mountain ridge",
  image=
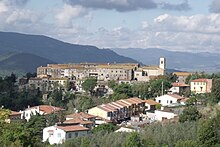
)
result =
(185, 61)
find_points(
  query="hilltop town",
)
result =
(80, 100)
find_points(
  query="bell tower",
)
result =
(162, 64)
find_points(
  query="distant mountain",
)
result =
(21, 52)
(56, 50)
(204, 61)
(21, 63)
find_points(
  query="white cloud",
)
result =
(66, 15)
(3, 7)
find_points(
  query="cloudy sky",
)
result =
(178, 25)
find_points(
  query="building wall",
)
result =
(54, 135)
(71, 135)
(201, 87)
(98, 112)
(166, 100)
(160, 115)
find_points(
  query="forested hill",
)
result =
(56, 50)
(21, 63)
(21, 53)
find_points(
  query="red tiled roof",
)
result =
(49, 109)
(77, 121)
(179, 85)
(73, 128)
(200, 80)
(151, 102)
(104, 109)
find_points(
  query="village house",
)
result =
(182, 76)
(150, 105)
(41, 109)
(59, 134)
(119, 110)
(170, 99)
(179, 88)
(201, 85)
(161, 115)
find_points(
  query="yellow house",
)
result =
(102, 111)
(201, 85)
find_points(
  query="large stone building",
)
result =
(103, 71)
(145, 73)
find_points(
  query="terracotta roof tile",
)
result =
(77, 121)
(151, 102)
(180, 85)
(73, 128)
(200, 80)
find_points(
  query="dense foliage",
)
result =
(13, 99)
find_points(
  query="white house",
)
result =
(58, 134)
(41, 109)
(169, 99)
(160, 115)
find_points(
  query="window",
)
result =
(58, 135)
(167, 101)
(69, 135)
(76, 134)
(159, 101)
(171, 102)
(201, 88)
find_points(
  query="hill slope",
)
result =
(209, 62)
(22, 63)
(56, 50)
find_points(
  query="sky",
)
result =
(175, 25)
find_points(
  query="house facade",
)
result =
(150, 105)
(169, 99)
(118, 110)
(182, 76)
(179, 88)
(41, 109)
(59, 134)
(201, 85)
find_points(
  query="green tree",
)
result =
(89, 85)
(112, 84)
(207, 133)
(216, 90)
(141, 90)
(133, 140)
(33, 129)
(190, 114)
(122, 91)
(104, 128)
